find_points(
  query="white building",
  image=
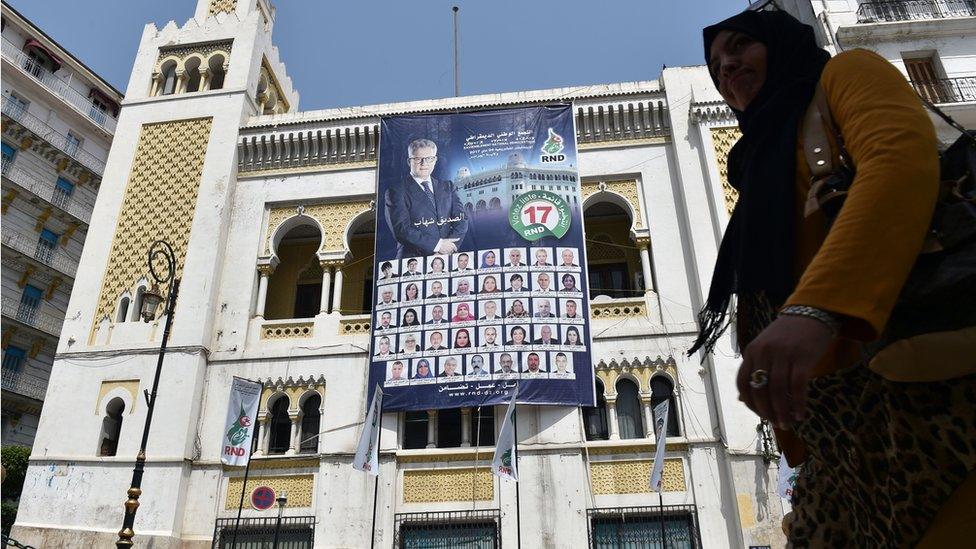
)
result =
(58, 122)
(496, 189)
(270, 212)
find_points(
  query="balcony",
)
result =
(44, 132)
(23, 384)
(47, 191)
(914, 10)
(31, 247)
(31, 316)
(58, 87)
(948, 90)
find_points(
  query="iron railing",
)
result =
(480, 529)
(45, 253)
(11, 542)
(18, 382)
(31, 316)
(46, 190)
(948, 90)
(17, 112)
(641, 527)
(258, 533)
(58, 87)
(911, 10)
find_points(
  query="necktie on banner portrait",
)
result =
(242, 408)
(660, 436)
(368, 451)
(505, 462)
(500, 190)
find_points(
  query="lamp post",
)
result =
(282, 501)
(159, 251)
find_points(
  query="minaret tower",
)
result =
(169, 176)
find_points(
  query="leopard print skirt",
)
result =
(882, 458)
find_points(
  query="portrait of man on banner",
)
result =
(424, 213)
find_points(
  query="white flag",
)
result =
(505, 462)
(660, 436)
(239, 427)
(367, 457)
(786, 479)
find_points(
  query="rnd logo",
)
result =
(547, 158)
(233, 451)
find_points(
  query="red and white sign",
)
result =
(263, 498)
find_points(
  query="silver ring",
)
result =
(758, 379)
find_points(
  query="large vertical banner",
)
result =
(242, 410)
(479, 267)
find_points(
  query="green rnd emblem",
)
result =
(537, 214)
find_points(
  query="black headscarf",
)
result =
(755, 260)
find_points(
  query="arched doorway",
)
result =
(295, 288)
(613, 261)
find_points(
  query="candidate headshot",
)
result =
(411, 292)
(435, 341)
(546, 336)
(489, 337)
(516, 336)
(462, 262)
(533, 364)
(449, 367)
(436, 315)
(422, 370)
(436, 266)
(462, 339)
(412, 268)
(516, 309)
(490, 310)
(516, 283)
(489, 285)
(543, 283)
(489, 259)
(387, 296)
(505, 364)
(386, 321)
(514, 257)
(462, 313)
(561, 365)
(567, 258)
(383, 347)
(436, 290)
(424, 213)
(397, 372)
(541, 258)
(569, 283)
(570, 309)
(410, 318)
(462, 286)
(476, 366)
(387, 271)
(410, 344)
(572, 336)
(542, 308)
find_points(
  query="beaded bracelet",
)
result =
(817, 314)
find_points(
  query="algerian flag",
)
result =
(505, 462)
(367, 457)
(660, 435)
(239, 427)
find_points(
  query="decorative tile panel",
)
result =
(204, 50)
(222, 6)
(428, 486)
(333, 217)
(159, 202)
(626, 189)
(722, 140)
(299, 488)
(633, 477)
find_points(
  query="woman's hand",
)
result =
(786, 352)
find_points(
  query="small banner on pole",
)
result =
(660, 436)
(242, 409)
(368, 452)
(786, 479)
(504, 464)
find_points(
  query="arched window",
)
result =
(611, 257)
(357, 292)
(137, 304)
(280, 427)
(216, 66)
(193, 74)
(480, 205)
(295, 291)
(108, 443)
(495, 204)
(661, 390)
(310, 425)
(595, 419)
(123, 314)
(169, 78)
(629, 410)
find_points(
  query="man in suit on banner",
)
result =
(425, 214)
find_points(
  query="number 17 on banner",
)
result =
(537, 214)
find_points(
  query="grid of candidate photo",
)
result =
(504, 313)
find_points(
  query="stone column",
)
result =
(263, 440)
(432, 428)
(648, 416)
(465, 427)
(326, 284)
(204, 79)
(643, 243)
(295, 417)
(265, 271)
(157, 84)
(612, 418)
(180, 82)
(337, 294)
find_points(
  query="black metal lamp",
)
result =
(150, 301)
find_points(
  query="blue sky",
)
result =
(342, 53)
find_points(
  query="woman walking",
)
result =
(887, 450)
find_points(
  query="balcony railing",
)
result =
(948, 90)
(23, 384)
(58, 87)
(49, 255)
(912, 10)
(294, 532)
(31, 316)
(46, 190)
(17, 112)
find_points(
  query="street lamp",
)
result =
(159, 251)
(282, 501)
